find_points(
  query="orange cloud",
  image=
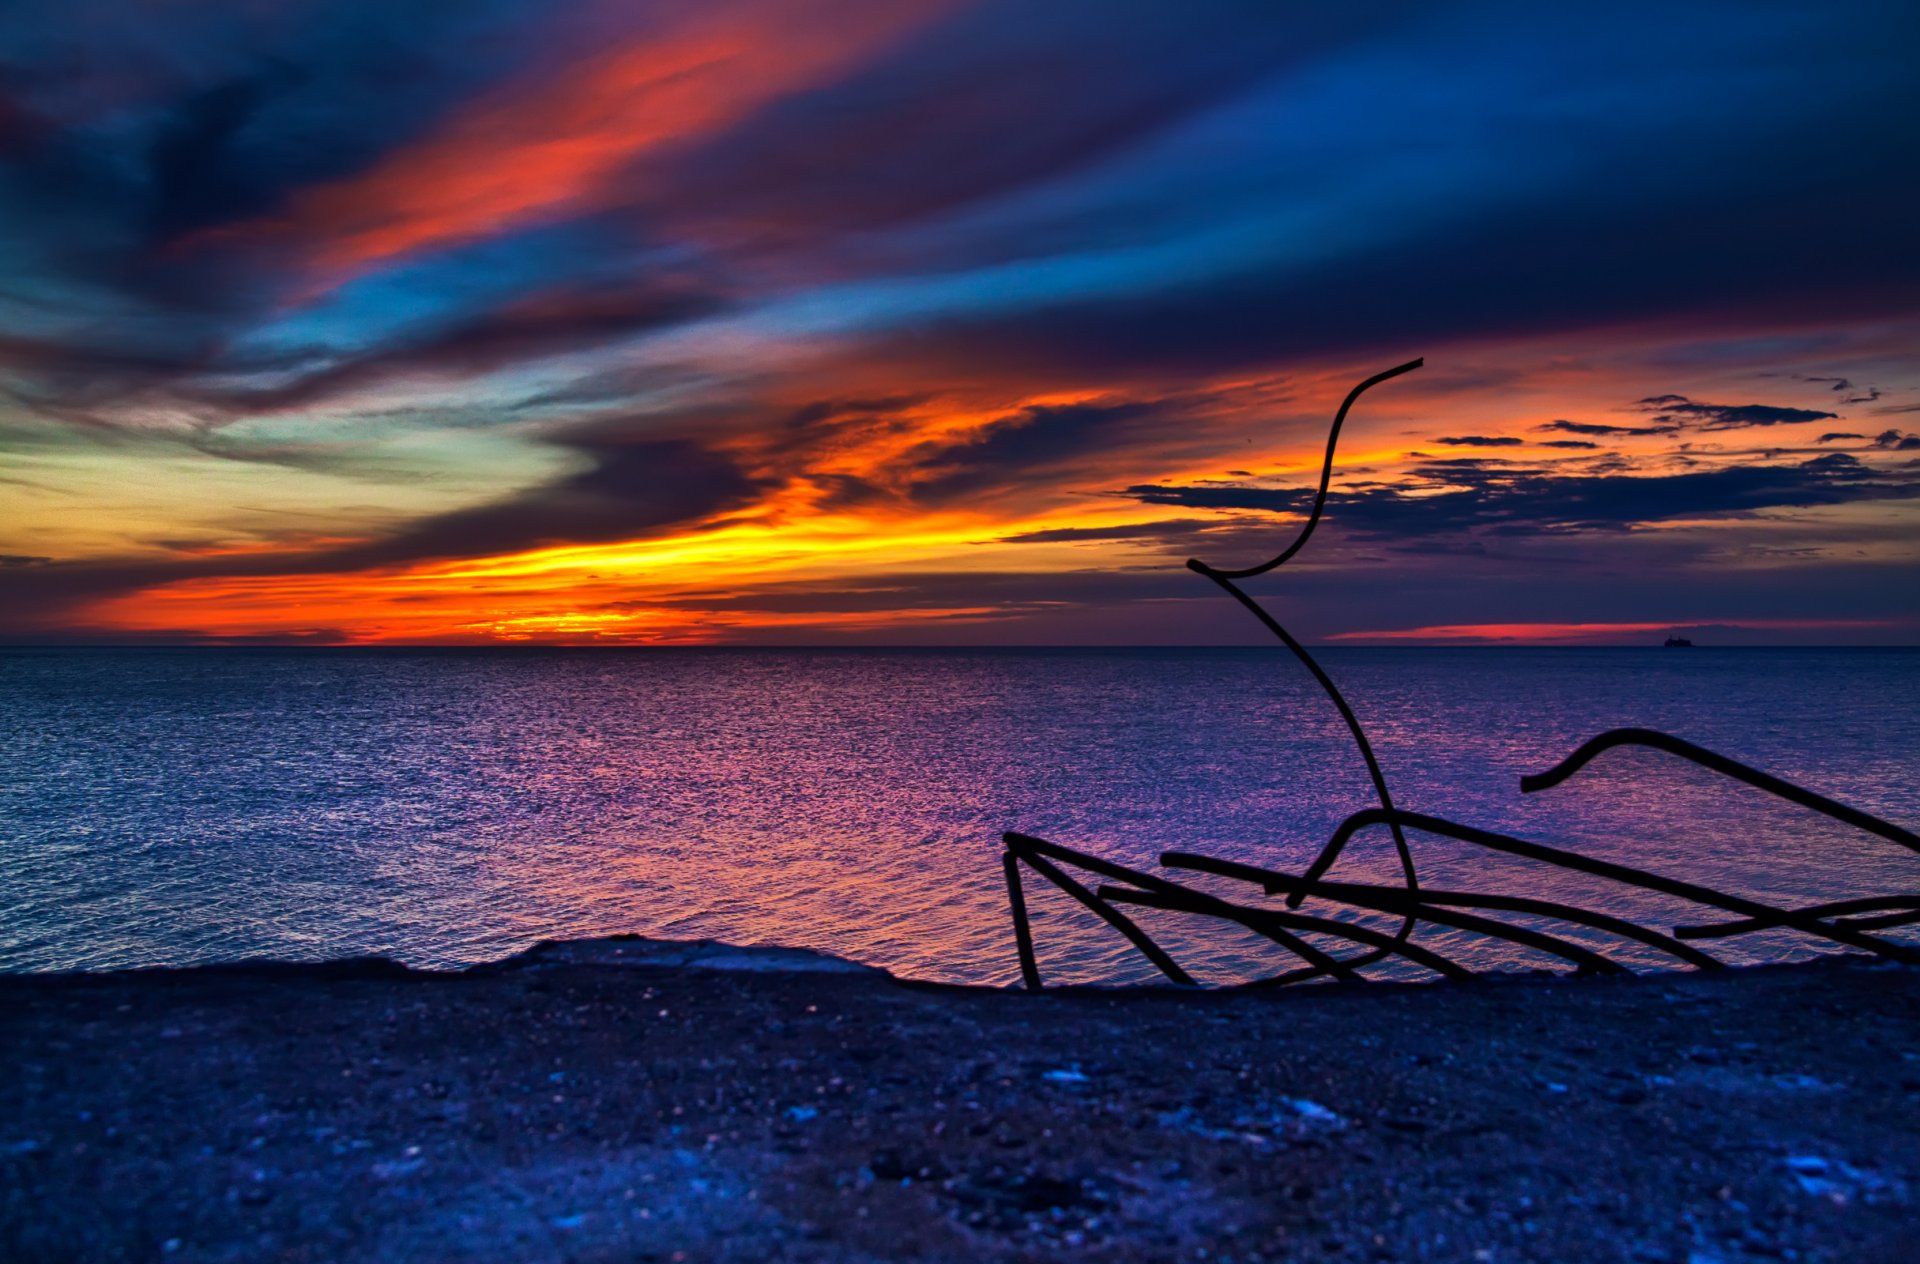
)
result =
(840, 465)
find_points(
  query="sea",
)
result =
(441, 807)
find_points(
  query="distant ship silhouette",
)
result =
(1679, 643)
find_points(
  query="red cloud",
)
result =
(550, 146)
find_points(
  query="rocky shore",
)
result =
(623, 1100)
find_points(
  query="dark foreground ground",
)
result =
(567, 1106)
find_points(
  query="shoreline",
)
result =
(633, 1099)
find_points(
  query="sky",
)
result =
(956, 322)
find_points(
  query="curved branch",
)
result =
(1225, 578)
(1399, 902)
(1022, 931)
(1031, 849)
(1725, 767)
(1326, 475)
(1884, 921)
(1401, 847)
(1181, 900)
(1906, 906)
(1207, 906)
(1112, 917)
(1621, 873)
(1395, 900)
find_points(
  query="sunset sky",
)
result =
(955, 322)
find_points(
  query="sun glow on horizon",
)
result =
(852, 319)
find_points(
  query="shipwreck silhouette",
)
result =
(1847, 923)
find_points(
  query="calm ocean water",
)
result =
(161, 807)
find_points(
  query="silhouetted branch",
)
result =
(1398, 900)
(1725, 767)
(1392, 901)
(1026, 848)
(1621, 873)
(1261, 920)
(1849, 918)
(1326, 476)
(1022, 930)
(1112, 916)
(1225, 578)
(1279, 932)
(1835, 908)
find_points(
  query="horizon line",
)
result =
(1340, 644)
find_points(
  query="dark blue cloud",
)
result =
(1164, 529)
(1003, 95)
(122, 138)
(630, 489)
(1599, 428)
(1677, 126)
(568, 320)
(203, 113)
(1679, 410)
(1495, 496)
(1016, 447)
(197, 169)
(1413, 169)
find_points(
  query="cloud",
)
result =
(128, 137)
(1491, 496)
(1545, 264)
(555, 142)
(1164, 529)
(78, 380)
(630, 490)
(1608, 633)
(1832, 435)
(1596, 428)
(1265, 499)
(1006, 590)
(326, 235)
(999, 97)
(1678, 408)
(197, 173)
(1028, 441)
(840, 410)
(557, 322)
(1844, 387)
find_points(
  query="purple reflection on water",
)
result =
(440, 806)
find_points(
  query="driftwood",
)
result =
(1849, 924)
